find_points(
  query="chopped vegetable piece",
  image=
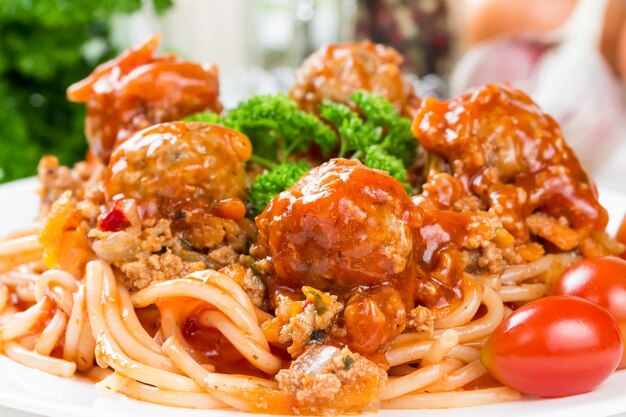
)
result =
(317, 336)
(320, 307)
(113, 220)
(348, 361)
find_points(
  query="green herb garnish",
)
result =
(317, 336)
(320, 307)
(377, 135)
(348, 361)
(381, 139)
(272, 182)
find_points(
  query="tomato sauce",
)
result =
(137, 90)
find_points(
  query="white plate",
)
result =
(36, 392)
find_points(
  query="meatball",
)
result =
(336, 71)
(354, 232)
(189, 173)
(374, 318)
(506, 152)
(179, 161)
(137, 90)
(342, 224)
(348, 229)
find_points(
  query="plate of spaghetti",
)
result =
(347, 247)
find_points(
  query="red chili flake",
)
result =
(113, 220)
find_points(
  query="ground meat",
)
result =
(311, 317)
(553, 230)
(591, 248)
(299, 323)
(421, 319)
(486, 240)
(491, 259)
(214, 230)
(55, 179)
(223, 256)
(328, 380)
(251, 284)
(512, 257)
(143, 254)
(153, 239)
(148, 250)
(156, 267)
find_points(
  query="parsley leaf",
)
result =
(270, 183)
(356, 134)
(317, 336)
(275, 126)
(398, 139)
(348, 361)
(379, 158)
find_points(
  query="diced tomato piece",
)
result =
(113, 220)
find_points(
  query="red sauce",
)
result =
(137, 90)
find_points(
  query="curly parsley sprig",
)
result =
(376, 134)
(380, 137)
(276, 128)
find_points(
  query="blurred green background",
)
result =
(45, 45)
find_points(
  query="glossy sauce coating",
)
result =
(337, 70)
(186, 172)
(139, 89)
(353, 221)
(354, 231)
(505, 150)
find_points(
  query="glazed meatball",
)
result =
(178, 161)
(348, 229)
(342, 224)
(139, 89)
(188, 173)
(336, 71)
(510, 157)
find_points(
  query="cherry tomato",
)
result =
(554, 347)
(601, 281)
